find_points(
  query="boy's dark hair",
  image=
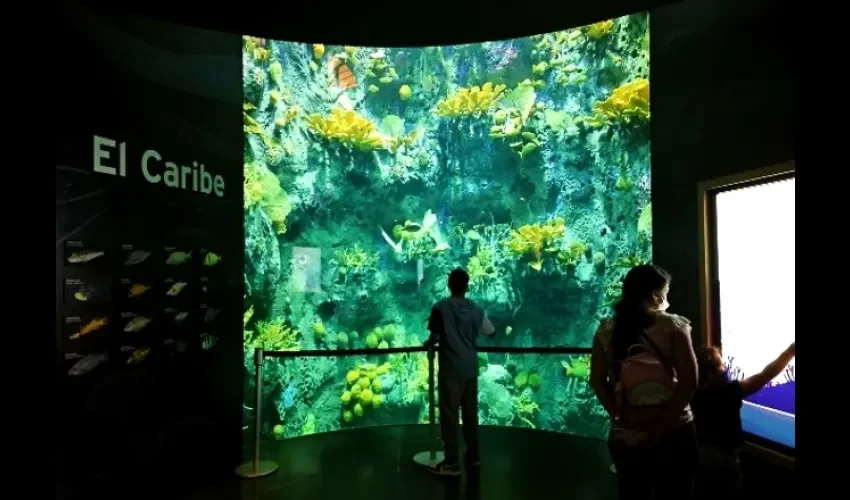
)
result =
(458, 281)
(706, 366)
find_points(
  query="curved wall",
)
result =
(371, 172)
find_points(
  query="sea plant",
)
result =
(536, 241)
(470, 101)
(274, 335)
(347, 128)
(263, 187)
(627, 103)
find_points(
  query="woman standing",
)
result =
(644, 371)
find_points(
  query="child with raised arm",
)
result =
(717, 414)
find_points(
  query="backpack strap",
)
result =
(664, 359)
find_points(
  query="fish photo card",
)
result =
(179, 260)
(137, 290)
(210, 325)
(211, 261)
(177, 324)
(176, 347)
(206, 286)
(176, 290)
(87, 254)
(85, 333)
(137, 257)
(209, 314)
(208, 341)
(79, 364)
(135, 354)
(83, 291)
(137, 327)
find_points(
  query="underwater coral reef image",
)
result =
(370, 173)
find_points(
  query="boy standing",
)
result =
(455, 324)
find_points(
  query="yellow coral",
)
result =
(573, 253)
(261, 54)
(262, 186)
(597, 31)
(481, 267)
(348, 128)
(287, 117)
(355, 259)
(627, 102)
(275, 336)
(395, 143)
(253, 186)
(536, 240)
(579, 368)
(471, 101)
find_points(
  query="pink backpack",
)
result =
(647, 382)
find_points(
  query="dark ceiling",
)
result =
(389, 23)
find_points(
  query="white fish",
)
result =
(136, 324)
(210, 315)
(420, 272)
(344, 102)
(84, 256)
(176, 289)
(396, 246)
(136, 257)
(87, 364)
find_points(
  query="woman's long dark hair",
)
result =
(630, 314)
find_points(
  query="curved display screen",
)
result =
(323, 394)
(370, 173)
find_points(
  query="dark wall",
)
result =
(157, 403)
(722, 102)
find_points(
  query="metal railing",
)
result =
(430, 457)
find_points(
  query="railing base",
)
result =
(424, 458)
(262, 468)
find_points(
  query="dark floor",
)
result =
(377, 464)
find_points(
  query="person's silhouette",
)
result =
(455, 324)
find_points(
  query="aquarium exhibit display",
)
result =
(371, 172)
(755, 251)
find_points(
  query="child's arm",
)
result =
(754, 383)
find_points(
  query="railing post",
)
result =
(431, 457)
(256, 467)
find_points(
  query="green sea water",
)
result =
(370, 173)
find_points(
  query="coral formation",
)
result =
(628, 102)
(536, 241)
(348, 128)
(370, 173)
(471, 101)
